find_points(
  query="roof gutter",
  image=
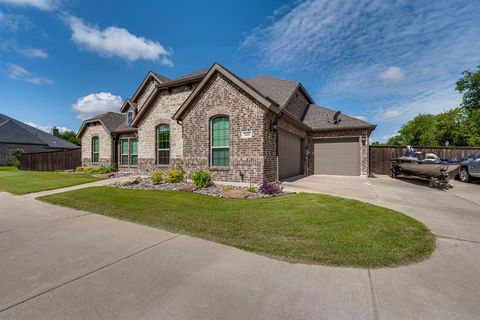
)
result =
(371, 127)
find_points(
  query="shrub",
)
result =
(270, 187)
(252, 189)
(174, 176)
(16, 157)
(85, 169)
(157, 177)
(103, 169)
(201, 179)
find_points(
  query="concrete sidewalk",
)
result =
(59, 263)
(98, 183)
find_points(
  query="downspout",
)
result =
(276, 142)
(114, 149)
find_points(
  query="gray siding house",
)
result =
(15, 135)
(237, 129)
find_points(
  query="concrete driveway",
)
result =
(58, 263)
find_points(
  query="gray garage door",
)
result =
(289, 155)
(337, 157)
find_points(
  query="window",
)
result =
(129, 152)
(220, 141)
(124, 151)
(163, 144)
(134, 154)
(95, 149)
(129, 117)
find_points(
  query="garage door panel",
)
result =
(337, 157)
(289, 154)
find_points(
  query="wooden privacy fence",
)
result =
(381, 156)
(51, 161)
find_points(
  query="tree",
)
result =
(70, 136)
(419, 132)
(469, 86)
(459, 126)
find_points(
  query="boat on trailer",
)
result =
(433, 168)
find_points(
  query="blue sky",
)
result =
(383, 61)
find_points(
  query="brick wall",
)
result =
(164, 107)
(252, 156)
(145, 94)
(297, 104)
(92, 130)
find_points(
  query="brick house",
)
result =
(237, 129)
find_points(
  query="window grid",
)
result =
(134, 152)
(95, 150)
(130, 117)
(220, 141)
(163, 144)
(124, 152)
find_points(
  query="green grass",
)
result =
(308, 228)
(21, 182)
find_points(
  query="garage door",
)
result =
(337, 157)
(289, 155)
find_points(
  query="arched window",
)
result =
(220, 144)
(163, 144)
(95, 149)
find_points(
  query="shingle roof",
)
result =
(318, 117)
(14, 131)
(279, 90)
(193, 74)
(162, 78)
(111, 120)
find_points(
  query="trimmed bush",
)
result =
(157, 177)
(252, 189)
(201, 179)
(105, 169)
(270, 187)
(174, 176)
(85, 169)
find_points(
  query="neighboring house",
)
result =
(237, 129)
(18, 135)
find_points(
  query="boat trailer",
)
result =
(442, 182)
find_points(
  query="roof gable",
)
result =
(249, 89)
(109, 120)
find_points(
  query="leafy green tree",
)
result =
(459, 126)
(469, 86)
(70, 136)
(419, 132)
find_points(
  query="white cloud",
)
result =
(114, 41)
(47, 127)
(390, 115)
(33, 53)
(38, 4)
(392, 74)
(343, 47)
(14, 22)
(363, 118)
(96, 103)
(19, 73)
(11, 45)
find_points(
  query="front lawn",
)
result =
(21, 182)
(303, 227)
